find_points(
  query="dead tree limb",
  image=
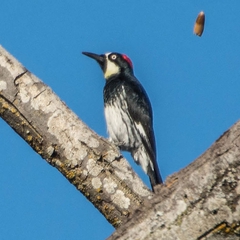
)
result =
(202, 201)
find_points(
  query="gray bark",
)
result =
(201, 201)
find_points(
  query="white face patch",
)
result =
(111, 68)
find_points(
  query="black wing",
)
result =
(140, 111)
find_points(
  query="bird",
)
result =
(128, 112)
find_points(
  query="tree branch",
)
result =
(88, 161)
(202, 201)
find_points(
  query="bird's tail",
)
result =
(155, 177)
(148, 164)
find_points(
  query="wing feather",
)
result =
(140, 110)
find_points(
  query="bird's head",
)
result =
(112, 64)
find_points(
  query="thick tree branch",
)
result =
(88, 161)
(202, 201)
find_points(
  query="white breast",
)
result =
(117, 127)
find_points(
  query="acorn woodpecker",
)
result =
(128, 112)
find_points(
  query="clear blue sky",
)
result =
(193, 84)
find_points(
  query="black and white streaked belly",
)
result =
(121, 128)
(124, 133)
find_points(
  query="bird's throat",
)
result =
(111, 69)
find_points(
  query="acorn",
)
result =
(199, 24)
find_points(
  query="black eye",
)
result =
(113, 57)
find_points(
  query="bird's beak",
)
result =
(99, 58)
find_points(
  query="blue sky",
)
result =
(193, 84)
